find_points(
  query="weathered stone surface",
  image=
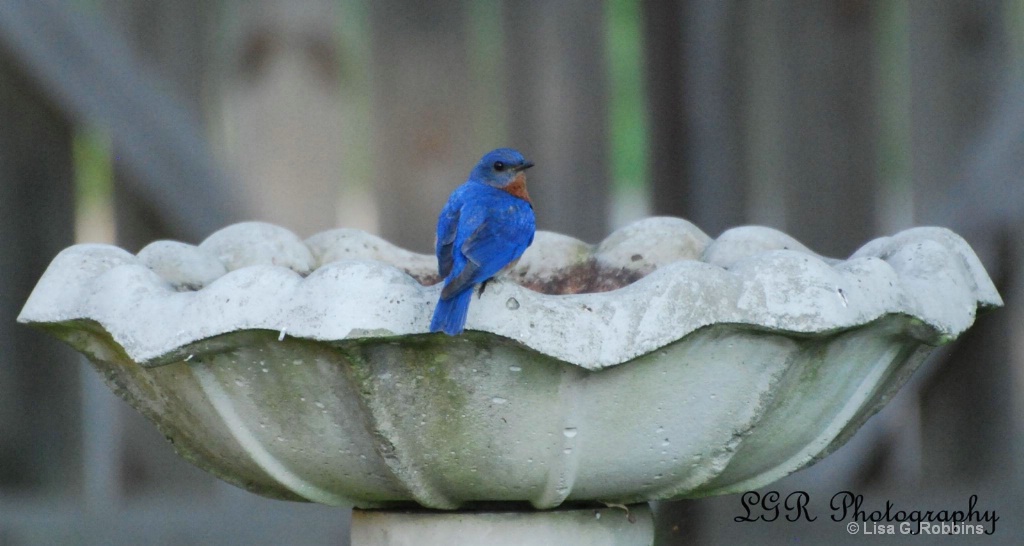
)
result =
(702, 367)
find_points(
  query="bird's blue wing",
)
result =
(447, 227)
(501, 231)
(467, 276)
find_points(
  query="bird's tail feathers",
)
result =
(450, 314)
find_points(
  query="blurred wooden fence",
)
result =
(835, 121)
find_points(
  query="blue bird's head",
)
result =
(503, 169)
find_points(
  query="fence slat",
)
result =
(964, 179)
(421, 115)
(811, 146)
(38, 377)
(557, 96)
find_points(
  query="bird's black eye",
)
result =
(499, 166)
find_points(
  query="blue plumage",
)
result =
(485, 226)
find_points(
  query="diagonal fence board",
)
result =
(90, 72)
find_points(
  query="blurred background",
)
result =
(837, 121)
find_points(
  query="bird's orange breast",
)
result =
(518, 187)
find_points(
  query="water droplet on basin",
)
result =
(665, 443)
(659, 430)
(280, 438)
(319, 405)
(713, 396)
(567, 450)
(570, 432)
(498, 400)
(512, 304)
(239, 382)
(514, 369)
(265, 370)
(658, 477)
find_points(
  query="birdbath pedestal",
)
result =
(619, 526)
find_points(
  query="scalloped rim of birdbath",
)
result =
(645, 286)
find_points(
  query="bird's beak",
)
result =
(525, 166)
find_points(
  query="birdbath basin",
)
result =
(658, 364)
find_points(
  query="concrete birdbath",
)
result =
(659, 364)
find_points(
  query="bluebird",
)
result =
(483, 229)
